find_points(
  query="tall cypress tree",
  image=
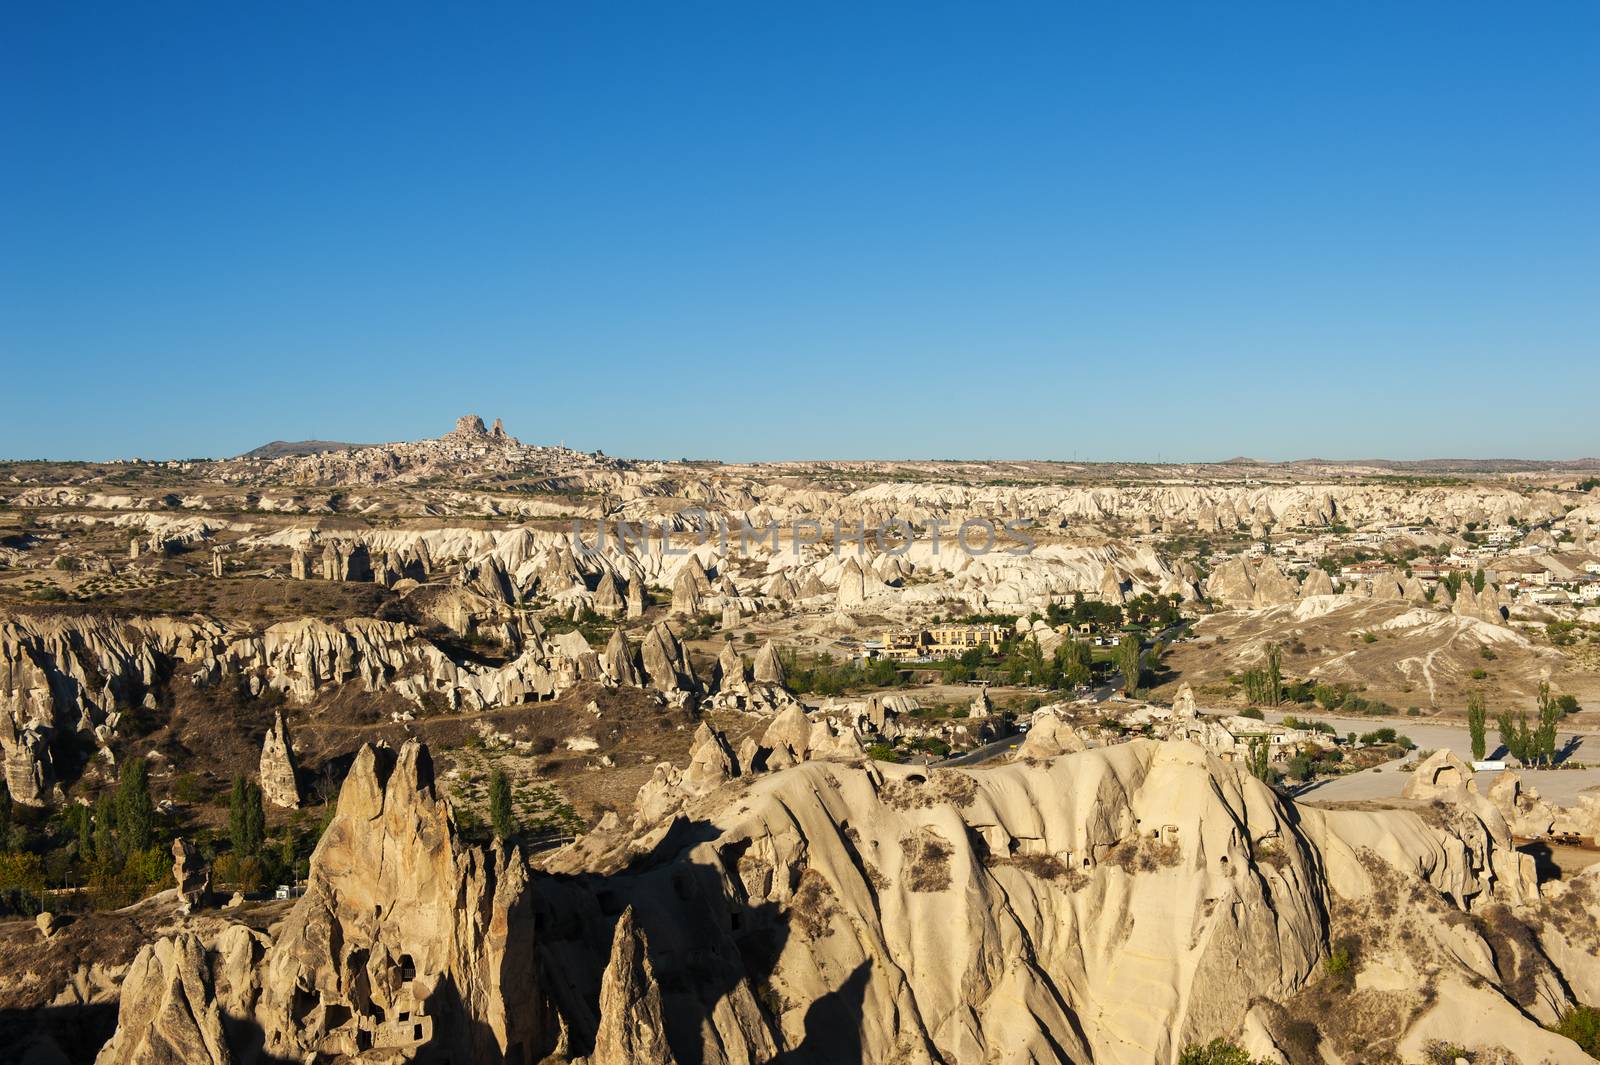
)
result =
(136, 814)
(500, 814)
(1478, 725)
(247, 819)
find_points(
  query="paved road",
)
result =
(984, 753)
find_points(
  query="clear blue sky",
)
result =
(756, 230)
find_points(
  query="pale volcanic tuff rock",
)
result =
(192, 878)
(1386, 586)
(1237, 583)
(74, 673)
(632, 1030)
(1050, 735)
(769, 667)
(168, 1012)
(1208, 506)
(622, 664)
(666, 663)
(470, 450)
(1273, 587)
(1232, 583)
(404, 941)
(277, 768)
(29, 768)
(852, 591)
(730, 678)
(1317, 582)
(301, 658)
(608, 600)
(1111, 586)
(686, 594)
(1113, 906)
(399, 918)
(1486, 605)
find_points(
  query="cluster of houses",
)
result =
(934, 642)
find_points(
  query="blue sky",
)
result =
(760, 230)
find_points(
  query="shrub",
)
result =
(22, 883)
(186, 789)
(1338, 963)
(1581, 1024)
(1253, 713)
(1216, 1052)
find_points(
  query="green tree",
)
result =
(1550, 715)
(1516, 735)
(1259, 758)
(1076, 660)
(81, 820)
(500, 814)
(135, 813)
(1263, 685)
(22, 882)
(247, 820)
(1127, 659)
(106, 854)
(1477, 725)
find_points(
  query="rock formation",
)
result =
(632, 1030)
(730, 677)
(279, 784)
(1273, 587)
(608, 601)
(685, 594)
(666, 664)
(852, 587)
(1049, 735)
(769, 666)
(621, 662)
(1113, 906)
(404, 937)
(1317, 582)
(191, 875)
(168, 1012)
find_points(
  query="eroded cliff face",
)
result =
(67, 677)
(1113, 905)
(405, 942)
(404, 937)
(75, 673)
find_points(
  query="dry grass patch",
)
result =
(927, 857)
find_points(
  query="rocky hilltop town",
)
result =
(466, 749)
